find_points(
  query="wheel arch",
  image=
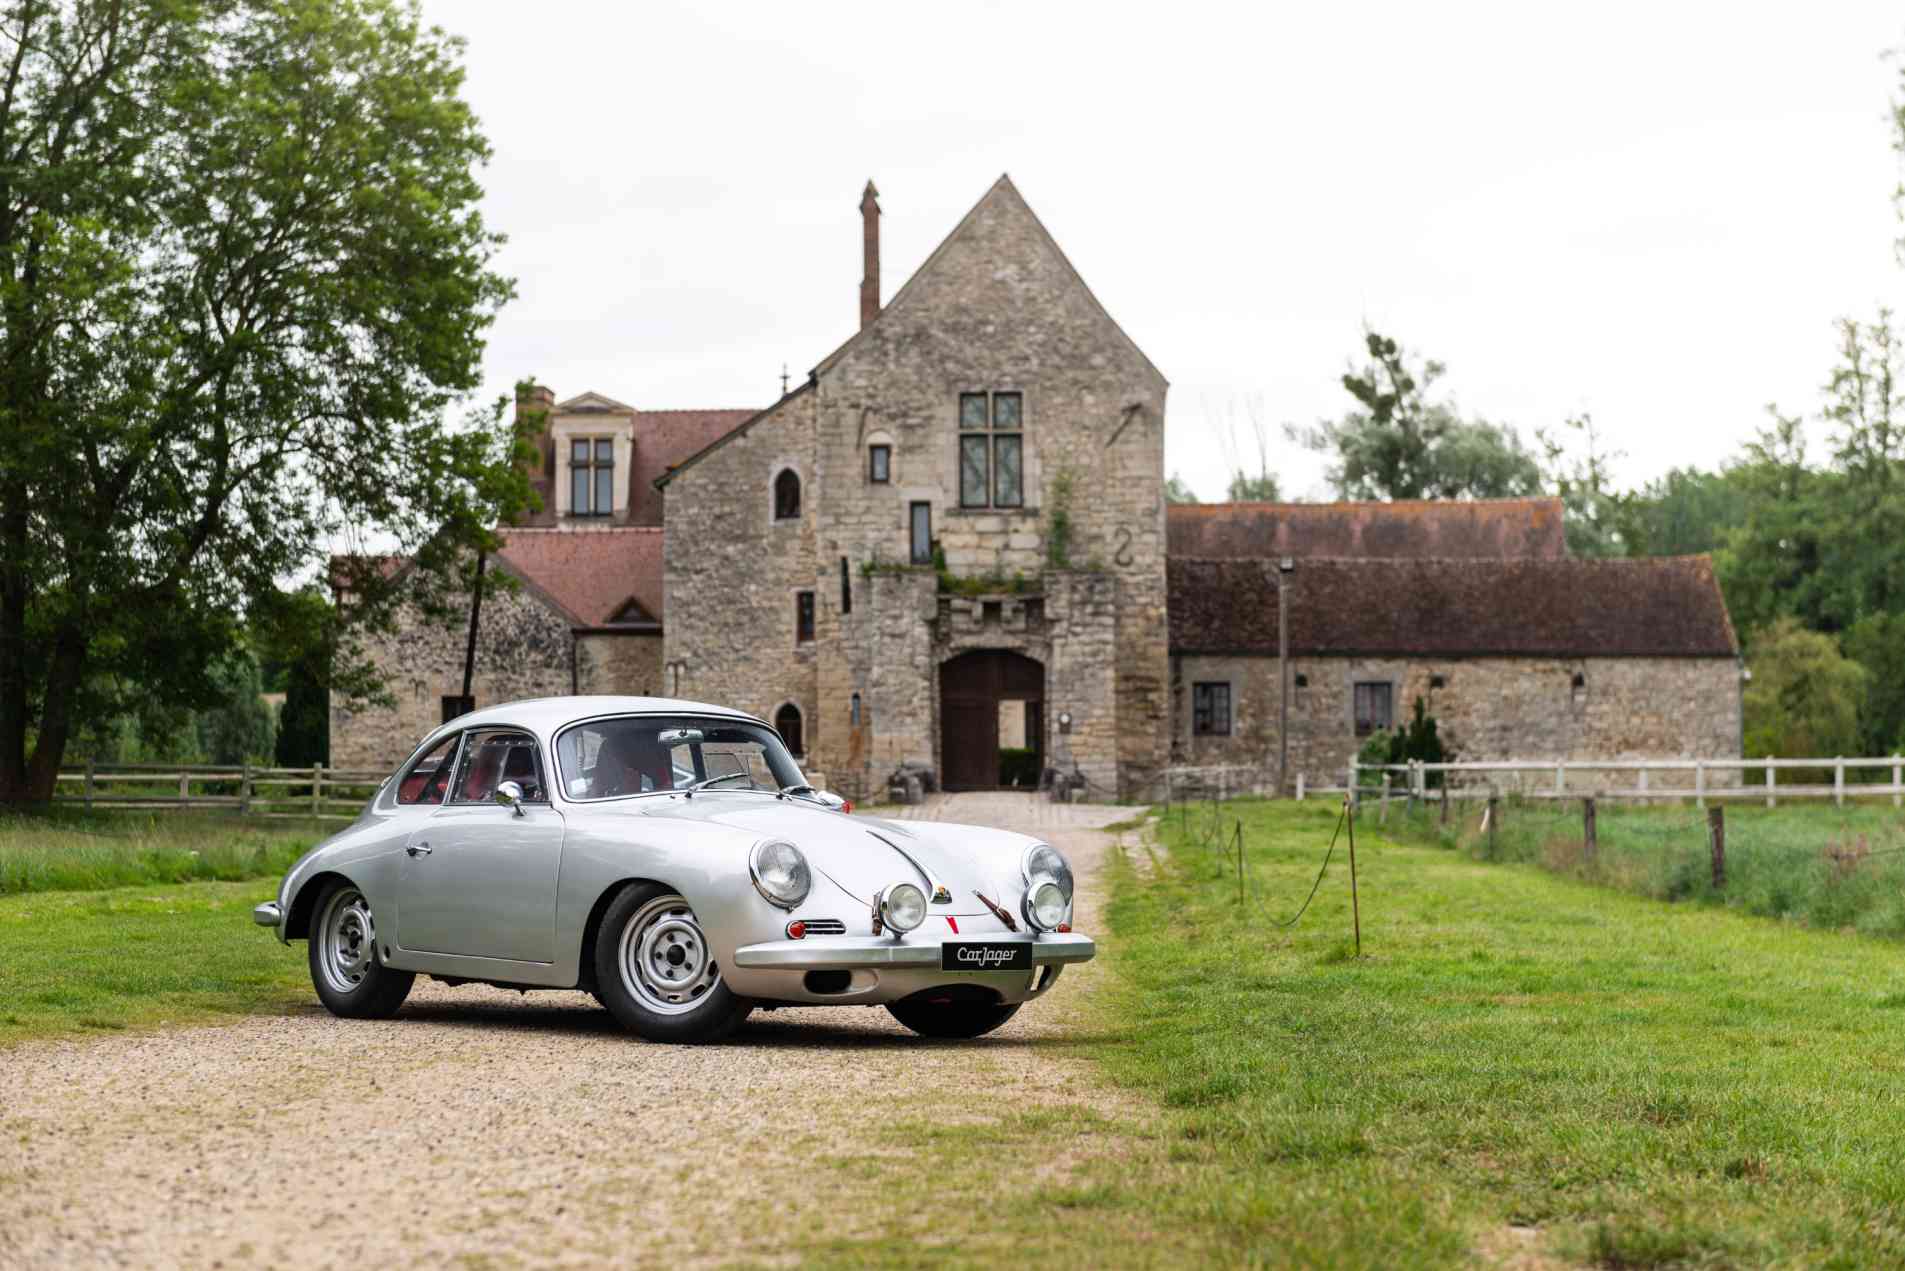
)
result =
(297, 923)
(585, 965)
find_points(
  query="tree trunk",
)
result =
(56, 715)
(13, 675)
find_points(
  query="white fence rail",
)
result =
(314, 793)
(1637, 779)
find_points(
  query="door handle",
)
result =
(418, 849)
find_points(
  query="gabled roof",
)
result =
(590, 575)
(1499, 528)
(1002, 188)
(590, 403)
(1646, 607)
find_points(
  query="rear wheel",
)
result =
(947, 1014)
(656, 973)
(349, 979)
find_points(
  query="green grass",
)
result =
(76, 851)
(1518, 1062)
(138, 957)
(1824, 866)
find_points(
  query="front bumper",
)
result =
(830, 953)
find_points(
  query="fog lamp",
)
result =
(1046, 906)
(903, 906)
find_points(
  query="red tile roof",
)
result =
(664, 438)
(1501, 528)
(590, 574)
(1649, 607)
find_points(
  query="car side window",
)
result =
(427, 780)
(493, 757)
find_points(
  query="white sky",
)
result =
(1653, 212)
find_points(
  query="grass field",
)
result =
(1829, 867)
(1520, 1065)
(79, 851)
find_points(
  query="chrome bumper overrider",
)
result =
(268, 915)
(827, 952)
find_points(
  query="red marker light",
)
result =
(796, 929)
(847, 807)
(1064, 926)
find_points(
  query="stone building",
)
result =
(951, 539)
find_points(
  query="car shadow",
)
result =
(786, 1028)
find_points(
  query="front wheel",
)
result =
(349, 979)
(656, 973)
(946, 1016)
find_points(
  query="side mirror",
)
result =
(510, 795)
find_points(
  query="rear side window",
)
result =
(493, 757)
(428, 778)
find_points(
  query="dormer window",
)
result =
(591, 476)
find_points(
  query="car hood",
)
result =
(863, 855)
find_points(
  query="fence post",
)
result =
(1560, 779)
(1700, 783)
(317, 789)
(1772, 798)
(1493, 816)
(1838, 780)
(1384, 818)
(1445, 798)
(1590, 844)
(90, 761)
(1716, 833)
(1898, 787)
(184, 780)
(1299, 787)
(1643, 787)
(1355, 795)
(244, 789)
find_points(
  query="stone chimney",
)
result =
(870, 284)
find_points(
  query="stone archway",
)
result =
(973, 688)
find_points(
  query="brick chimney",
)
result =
(870, 284)
(530, 399)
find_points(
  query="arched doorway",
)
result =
(979, 691)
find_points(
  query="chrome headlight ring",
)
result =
(779, 873)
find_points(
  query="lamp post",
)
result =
(1285, 568)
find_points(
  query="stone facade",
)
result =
(1487, 708)
(1074, 578)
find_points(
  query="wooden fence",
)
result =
(314, 793)
(1637, 779)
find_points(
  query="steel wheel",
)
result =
(664, 959)
(347, 940)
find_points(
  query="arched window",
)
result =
(787, 724)
(787, 495)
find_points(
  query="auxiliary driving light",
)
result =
(1046, 905)
(902, 906)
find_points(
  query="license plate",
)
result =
(985, 955)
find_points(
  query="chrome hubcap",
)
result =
(665, 960)
(347, 940)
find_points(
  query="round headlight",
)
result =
(1043, 861)
(903, 906)
(780, 872)
(1046, 905)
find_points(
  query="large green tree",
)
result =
(1804, 696)
(1399, 442)
(243, 281)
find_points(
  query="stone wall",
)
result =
(1485, 709)
(996, 309)
(523, 649)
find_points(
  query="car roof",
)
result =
(544, 715)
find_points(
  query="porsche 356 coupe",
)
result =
(669, 858)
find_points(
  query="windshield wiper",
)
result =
(705, 782)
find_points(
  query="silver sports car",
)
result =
(669, 858)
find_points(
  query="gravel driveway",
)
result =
(489, 1128)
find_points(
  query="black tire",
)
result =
(937, 1016)
(684, 1001)
(356, 984)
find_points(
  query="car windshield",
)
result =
(609, 758)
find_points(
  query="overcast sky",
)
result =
(1651, 212)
